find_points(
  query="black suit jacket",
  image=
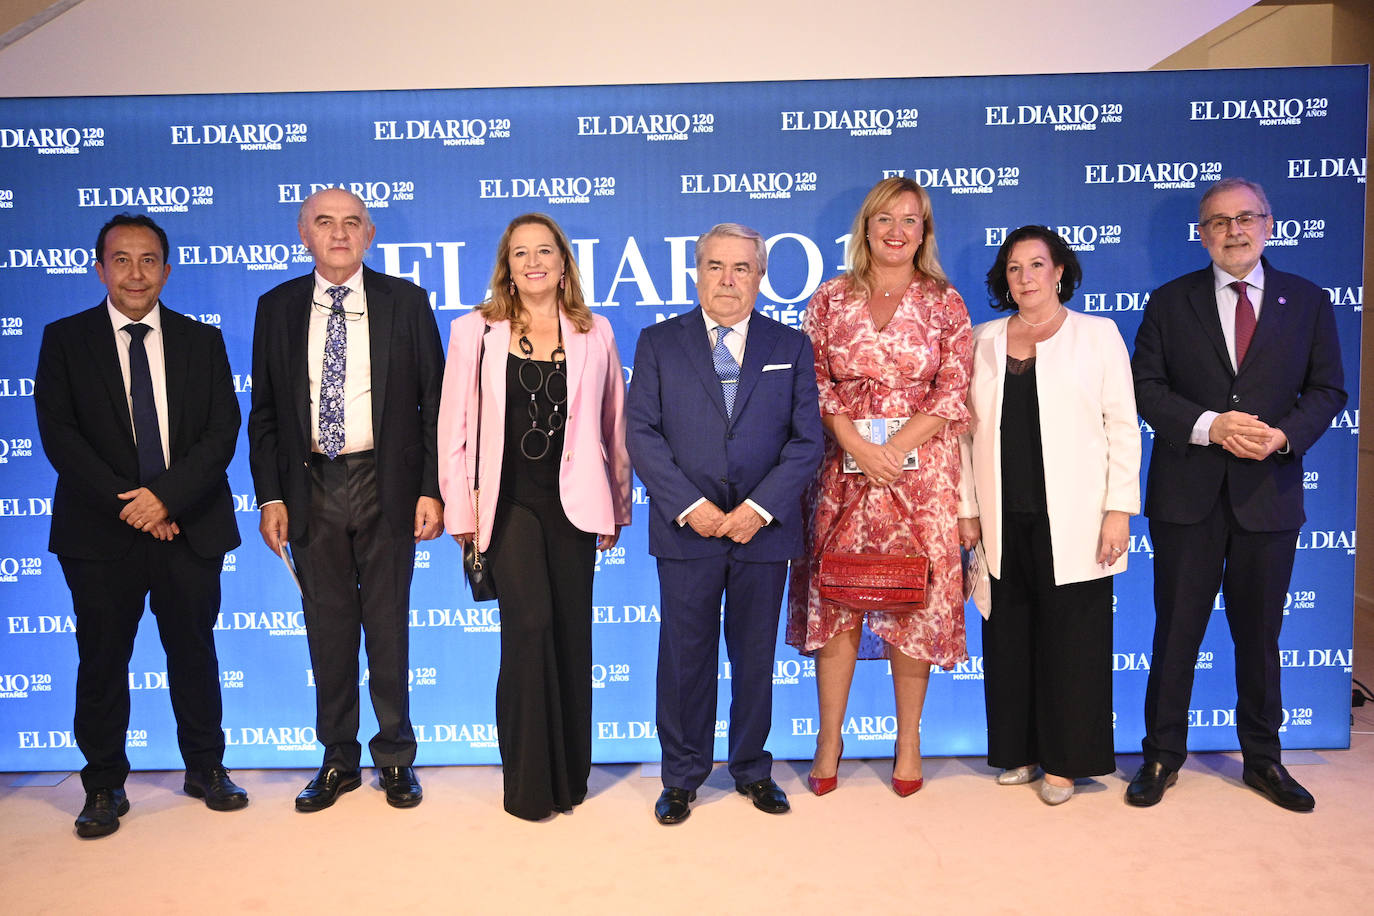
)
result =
(1291, 378)
(407, 377)
(87, 433)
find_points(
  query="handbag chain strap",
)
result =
(477, 459)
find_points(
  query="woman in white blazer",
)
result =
(1051, 474)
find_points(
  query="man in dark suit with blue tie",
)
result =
(725, 432)
(1238, 369)
(138, 415)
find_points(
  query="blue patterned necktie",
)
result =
(147, 434)
(332, 376)
(727, 369)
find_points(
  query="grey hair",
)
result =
(1232, 184)
(735, 231)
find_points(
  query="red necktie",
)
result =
(1245, 322)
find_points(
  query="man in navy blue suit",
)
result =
(725, 432)
(1238, 369)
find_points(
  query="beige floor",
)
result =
(963, 844)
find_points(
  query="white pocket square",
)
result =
(770, 368)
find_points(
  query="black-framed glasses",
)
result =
(328, 308)
(1220, 225)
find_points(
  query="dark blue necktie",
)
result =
(146, 432)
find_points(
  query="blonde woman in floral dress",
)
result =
(892, 340)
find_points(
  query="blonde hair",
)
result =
(504, 304)
(859, 278)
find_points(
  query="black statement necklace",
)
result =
(534, 444)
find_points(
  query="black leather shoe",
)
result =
(401, 787)
(329, 783)
(1274, 783)
(766, 796)
(1148, 786)
(215, 786)
(102, 811)
(671, 807)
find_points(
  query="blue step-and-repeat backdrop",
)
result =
(1115, 162)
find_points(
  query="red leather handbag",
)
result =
(875, 581)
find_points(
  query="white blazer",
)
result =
(1088, 432)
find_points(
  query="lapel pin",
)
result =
(1282, 301)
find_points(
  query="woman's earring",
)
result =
(562, 281)
(1056, 287)
(510, 287)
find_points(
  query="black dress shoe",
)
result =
(1148, 786)
(401, 787)
(1273, 782)
(215, 786)
(329, 783)
(671, 807)
(766, 796)
(101, 813)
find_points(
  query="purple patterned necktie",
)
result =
(332, 377)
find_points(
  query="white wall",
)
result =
(139, 47)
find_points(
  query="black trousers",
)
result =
(355, 571)
(543, 568)
(1252, 569)
(183, 590)
(1047, 660)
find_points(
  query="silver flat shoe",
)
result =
(1017, 776)
(1055, 795)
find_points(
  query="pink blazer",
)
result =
(594, 476)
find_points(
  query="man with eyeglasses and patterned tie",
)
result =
(138, 415)
(347, 370)
(1238, 369)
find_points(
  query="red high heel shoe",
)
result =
(904, 787)
(822, 785)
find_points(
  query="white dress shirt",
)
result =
(358, 432)
(1227, 300)
(734, 342)
(157, 368)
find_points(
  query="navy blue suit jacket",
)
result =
(684, 448)
(1291, 378)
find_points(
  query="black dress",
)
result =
(1047, 649)
(543, 566)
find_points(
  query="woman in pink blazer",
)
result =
(554, 488)
(1051, 475)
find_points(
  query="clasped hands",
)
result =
(1246, 435)
(144, 511)
(880, 464)
(740, 524)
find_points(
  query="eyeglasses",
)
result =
(328, 308)
(1220, 225)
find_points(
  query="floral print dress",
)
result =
(919, 362)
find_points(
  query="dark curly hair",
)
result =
(1060, 253)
